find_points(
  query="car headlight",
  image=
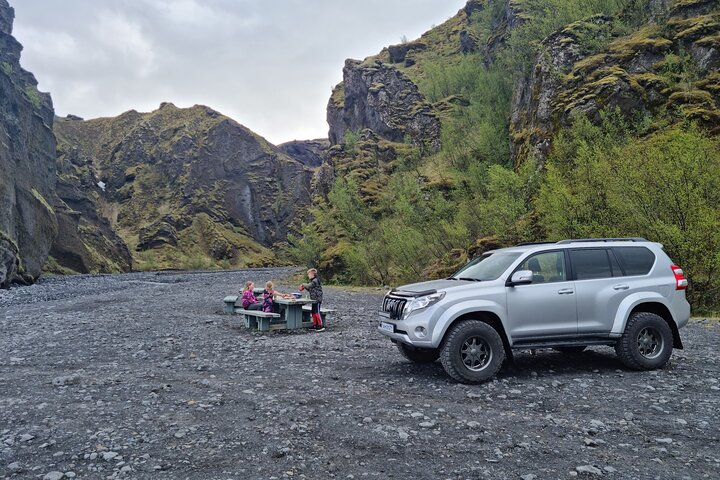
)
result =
(419, 303)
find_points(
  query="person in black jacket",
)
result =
(314, 288)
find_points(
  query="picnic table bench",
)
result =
(259, 320)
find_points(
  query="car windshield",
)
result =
(486, 267)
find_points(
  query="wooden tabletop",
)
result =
(292, 301)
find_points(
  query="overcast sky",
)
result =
(269, 64)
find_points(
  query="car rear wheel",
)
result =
(647, 342)
(472, 352)
(418, 355)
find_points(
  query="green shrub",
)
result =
(665, 187)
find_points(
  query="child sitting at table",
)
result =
(268, 295)
(249, 301)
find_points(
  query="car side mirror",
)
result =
(521, 277)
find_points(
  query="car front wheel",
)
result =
(473, 352)
(647, 342)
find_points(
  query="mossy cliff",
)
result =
(666, 68)
(182, 188)
(27, 165)
(439, 145)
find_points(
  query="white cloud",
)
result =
(121, 41)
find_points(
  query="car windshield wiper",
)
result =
(469, 279)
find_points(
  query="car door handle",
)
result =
(566, 291)
(621, 287)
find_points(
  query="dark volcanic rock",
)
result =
(27, 164)
(310, 153)
(398, 53)
(378, 96)
(158, 234)
(86, 242)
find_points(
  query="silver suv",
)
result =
(623, 292)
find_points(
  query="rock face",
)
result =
(86, 242)
(669, 68)
(27, 164)
(310, 153)
(184, 187)
(379, 97)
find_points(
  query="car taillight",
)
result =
(681, 282)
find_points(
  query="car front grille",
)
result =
(394, 306)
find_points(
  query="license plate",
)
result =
(388, 327)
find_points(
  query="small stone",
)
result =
(528, 476)
(93, 456)
(107, 456)
(367, 420)
(597, 424)
(27, 437)
(53, 476)
(664, 440)
(15, 467)
(429, 424)
(610, 469)
(681, 421)
(588, 469)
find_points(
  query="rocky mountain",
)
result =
(27, 164)
(181, 188)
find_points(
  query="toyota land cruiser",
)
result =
(622, 292)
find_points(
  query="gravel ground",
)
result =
(140, 376)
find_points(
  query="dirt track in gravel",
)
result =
(140, 376)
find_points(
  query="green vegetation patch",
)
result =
(38, 196)
(32, 94)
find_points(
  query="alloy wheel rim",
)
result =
(476, 354)
(650, 342)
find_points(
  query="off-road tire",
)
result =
(472, 352)
(646, 343)
(418, 355)
(571, 350)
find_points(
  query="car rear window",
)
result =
(635, 260)
(590, 263)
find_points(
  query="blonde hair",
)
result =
(313, 271)
(247, 285)
(269, 286)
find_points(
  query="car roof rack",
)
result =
(524, 244)
(588, 240)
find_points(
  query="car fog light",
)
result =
(420, 332)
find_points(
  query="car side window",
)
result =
(635, 260)
(547, 267)
(591, 263)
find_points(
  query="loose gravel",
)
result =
(141, 376)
